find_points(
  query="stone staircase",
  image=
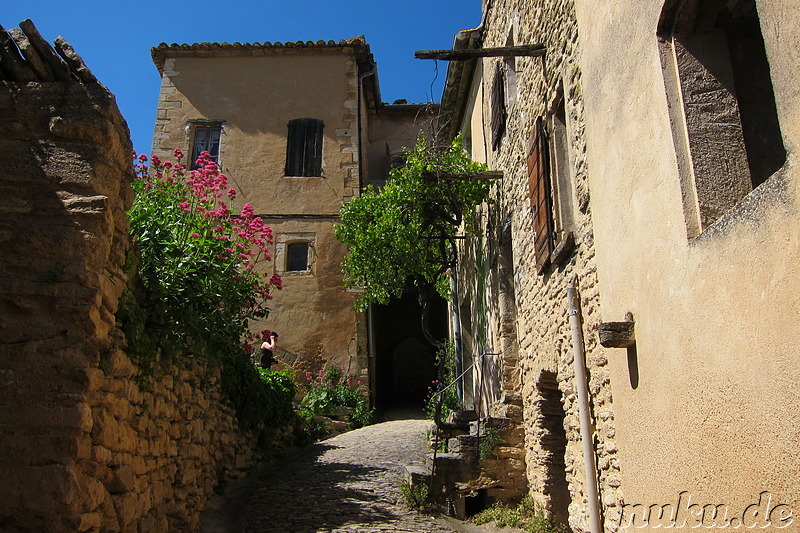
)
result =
(481, 464)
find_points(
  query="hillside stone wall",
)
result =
(86, 443)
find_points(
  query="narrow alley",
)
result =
(349, 483)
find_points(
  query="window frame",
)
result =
(283, 242)
(720, 162)
(194, 126)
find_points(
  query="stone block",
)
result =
(101, 454)
(123, 481)
(120, 365)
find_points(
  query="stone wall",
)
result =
(85, 443)
(555, 467)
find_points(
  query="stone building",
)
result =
(648, 152)
(299, 128)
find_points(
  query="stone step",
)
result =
(505, 410)
(488, 422)
(463, 444)
(463, 417)
(511, 399)
(417, 474)
(454, 466)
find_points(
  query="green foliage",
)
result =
(527, 515)
(407, 230)
(490, 439)
(198, 285)
(416, 497)
(334, 389)
(260, 397)
(450, 401)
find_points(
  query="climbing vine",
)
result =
(405, 232)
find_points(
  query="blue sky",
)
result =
(114, 38)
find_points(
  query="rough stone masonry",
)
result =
(84, 446)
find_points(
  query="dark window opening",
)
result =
(297, 257)
(304, 147)
(206, 139)
(717, 73)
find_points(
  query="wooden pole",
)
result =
(530, 50)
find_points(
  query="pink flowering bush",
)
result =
(198, 279)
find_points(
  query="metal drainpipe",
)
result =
(581, 385)
(370, 333)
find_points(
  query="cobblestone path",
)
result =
(349, 483)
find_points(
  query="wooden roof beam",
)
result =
(530, 50)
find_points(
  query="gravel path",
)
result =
(349, 483)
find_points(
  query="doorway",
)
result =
(405, 362)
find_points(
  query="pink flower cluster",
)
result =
(246, 239)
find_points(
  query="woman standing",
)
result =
(267, 358)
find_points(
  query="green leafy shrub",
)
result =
(333, 389)
(197, 282)
(527, 515)
(416, 497)
(407, 229)
(490, 439)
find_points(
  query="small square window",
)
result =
(297, 257)
(206, 139)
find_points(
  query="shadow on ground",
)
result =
(302, 493)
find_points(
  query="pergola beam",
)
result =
(529, 50)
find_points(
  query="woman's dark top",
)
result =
(266, 358)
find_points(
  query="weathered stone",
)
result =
(31, 55)
(54, 63)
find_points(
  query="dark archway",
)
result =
(405, 362)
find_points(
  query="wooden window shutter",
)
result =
(312, 164)
(539, 183)
(498, 121)
(304, 147)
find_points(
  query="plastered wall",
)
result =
(708, 406)
(256, 97)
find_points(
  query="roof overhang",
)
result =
(457, 85)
